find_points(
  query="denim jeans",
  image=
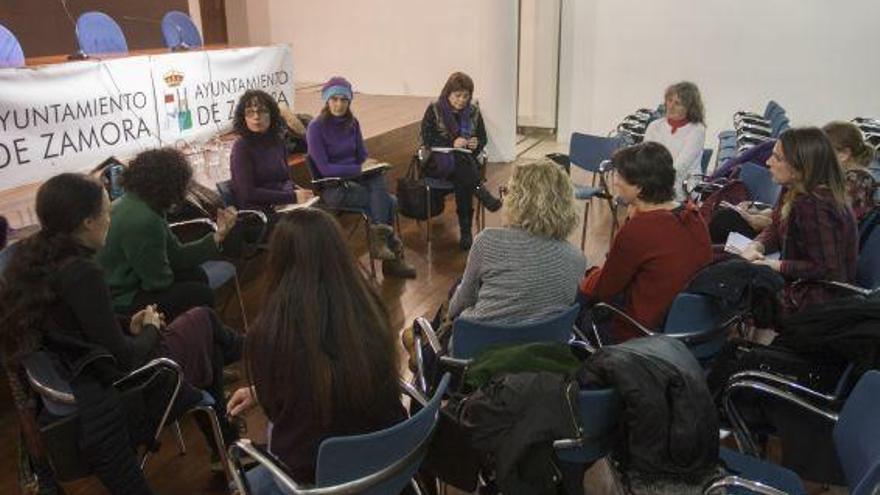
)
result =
(369, 193)
(262, 482)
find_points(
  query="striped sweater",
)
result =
(513, 276)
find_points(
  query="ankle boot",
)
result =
(398, 267)
(379, 243)
(465, 238)
(491, 203)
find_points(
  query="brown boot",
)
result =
(379, 243)
(398, 267)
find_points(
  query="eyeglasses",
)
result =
(255, 112)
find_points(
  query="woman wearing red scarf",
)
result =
(682, 132)
(454, 122)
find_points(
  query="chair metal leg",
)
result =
(584, 227)
(178, 435)
(369, 251)
(428, 220)
(218, 438)
(415, 487)
(244, 317)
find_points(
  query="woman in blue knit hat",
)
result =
(336, 147)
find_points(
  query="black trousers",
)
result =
(724, 221)
(189, 290)
(465, 178)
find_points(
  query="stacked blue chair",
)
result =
(98, 34)
(179, 31)
(11, 54)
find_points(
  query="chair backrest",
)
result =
(587, 151)
(759, 182)
(98, 33)
(868, 267)
(773, 110)
(598, 417)
(705, 159)
(470, 338)
(345, 459)
(857, 436)
(44, 377)
(178, 29)
(224, 189)
(695, 313)
(779, 125)
(11, 54)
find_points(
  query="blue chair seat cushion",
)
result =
(763, 472)
(585, 192)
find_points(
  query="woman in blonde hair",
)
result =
(526, 270)
(682, 132)
(813, 229)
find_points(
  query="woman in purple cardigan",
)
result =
(336, 147)
(258, 163)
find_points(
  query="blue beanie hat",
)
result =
(336, 86)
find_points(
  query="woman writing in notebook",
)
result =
(337, 150)
(454, 123)
(812, 227)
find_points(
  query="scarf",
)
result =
(676, 124)
(457, 123)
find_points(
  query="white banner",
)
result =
(196, 92)
(69, 117)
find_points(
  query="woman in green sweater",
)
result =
(144, 262)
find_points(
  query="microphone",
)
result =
(181, 45)
(80, 54)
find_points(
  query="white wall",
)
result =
(195, 13)
(538, 47)
(816, 57)
(397, 47)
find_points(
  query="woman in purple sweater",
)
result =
(336, 148)
(258, 163)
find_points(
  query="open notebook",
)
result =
(374, 168)
(737, 242)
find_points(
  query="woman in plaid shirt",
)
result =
(813, 228)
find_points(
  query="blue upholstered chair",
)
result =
(11, 54)
(98, 34)
(179, 31)
(377, 463)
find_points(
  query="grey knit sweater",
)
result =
(513, 276)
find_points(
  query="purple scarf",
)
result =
(459, 125)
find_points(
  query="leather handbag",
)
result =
(413, 200)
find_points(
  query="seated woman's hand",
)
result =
(460, 142)
(242, 400)
(472, 143)
(226, 218)
(758, 221)
(144, 317)
(754, 251)
(775, 265)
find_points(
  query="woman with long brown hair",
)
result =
(53, 298)
(322, 358)
(812, 228)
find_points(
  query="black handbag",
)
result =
(413, 200)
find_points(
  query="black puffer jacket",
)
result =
(515, 417)
(670, 426)
(738, 285)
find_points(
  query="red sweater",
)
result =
(652, 259)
